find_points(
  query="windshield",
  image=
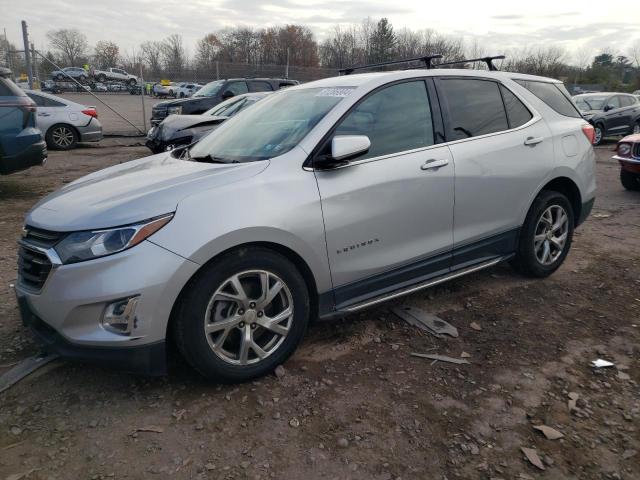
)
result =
(210, 89)
(230, 107)
(271, 128)
(590, 103)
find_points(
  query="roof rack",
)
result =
(426, 59)
(487, 60)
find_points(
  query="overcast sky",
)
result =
(498, 25)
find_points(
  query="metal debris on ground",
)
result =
(550, 433)
(426, 321)
(25, 368)
(475, 326)
(533, 457)
(150, 428)
(440, 358)
(600, 363)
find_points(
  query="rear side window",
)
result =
(627, 100)
(396, 119)
(261, 87)
(517, 113)
(237, 88)
(475, 107)
(554, 95)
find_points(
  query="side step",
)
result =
(429, 283)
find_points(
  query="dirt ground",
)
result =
(353, 403)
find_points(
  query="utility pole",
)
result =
(27, 53)
(6, 44)
(142, 93)
(286, 71)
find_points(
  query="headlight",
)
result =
(174, 110)
(81, 246)
(624, 149)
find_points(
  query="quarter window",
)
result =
(261, 87)
(554, 95)
(475, 107)
(237, 88)
(396, 119)
(517, 113)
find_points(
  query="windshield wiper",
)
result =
(212, 159)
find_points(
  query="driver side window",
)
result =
(237, 88)
(613, 102)
(396, 119)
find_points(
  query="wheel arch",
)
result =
(568, 188)
(73, 127)
(290, 254)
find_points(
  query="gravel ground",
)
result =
(352, 403)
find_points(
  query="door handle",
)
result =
(433, 164)
(44, 114)
(530, 141)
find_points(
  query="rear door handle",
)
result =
(433, 164)
(533, 140)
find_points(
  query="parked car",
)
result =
(160, 90)
(77, 73)
(213, 93)
(628, 155)
(65, 123)
(114, 74)
(117, 87)
(323, 199)
(21, 143)
(100, 87)
(185, 90)
(178, 130)
(610, 113)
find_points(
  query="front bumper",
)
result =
(66, 313)
(33, 155)
(631, 165)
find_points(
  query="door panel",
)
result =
(387, 213)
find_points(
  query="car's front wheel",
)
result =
(629, 180)
(61, 137)
(598, 134)
(545, 237)
(132, 81)
(242, 315)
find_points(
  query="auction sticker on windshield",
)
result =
(335, 92)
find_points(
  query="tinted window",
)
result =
(517, 113)
(237, 88)
(614, 102)
(554, 95)
(627, 101)
(475, 107)
(261, 86)
(40, 101)
(395, 119)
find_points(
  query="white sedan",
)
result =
(65, 123)
(186, 89)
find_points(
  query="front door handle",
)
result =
(433, 164)
(533, 141)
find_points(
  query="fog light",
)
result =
(119, 317)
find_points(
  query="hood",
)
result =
(633, 138)
(133, 191)
(174, 123)
(174, 103)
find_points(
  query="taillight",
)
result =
(91, 112)
(623, 149)
(589, 132)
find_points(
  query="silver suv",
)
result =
(321, 200)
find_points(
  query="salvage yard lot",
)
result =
(352, 403)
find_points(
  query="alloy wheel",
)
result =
(62, 137)
(248, 317)
(551, 234)
(636, 128)
(598, 135)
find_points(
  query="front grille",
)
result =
(636, 150)
(33, 268)
(33, 265)
(159, 113)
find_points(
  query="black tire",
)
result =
(181, 94)
(59, 77)
(132, 81)
(597, 127)
(189, 320)
(82, 78)
(526, 260)
(101, 78)
(630, 181)
(61, 137)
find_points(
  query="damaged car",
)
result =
(178, 130)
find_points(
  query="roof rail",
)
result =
(487, 60)
(426, 59)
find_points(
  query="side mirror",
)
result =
(344, 147)
(227, 94)
(608, 107)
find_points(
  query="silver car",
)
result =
(65, 123)
(321, 200)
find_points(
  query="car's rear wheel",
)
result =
(59, 77)
(101, 78)
(545, 238)
(636, 128)
(61, 137)
(242, 315)
(598, 134)
(132, 81)
(629, 180)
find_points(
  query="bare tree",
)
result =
(208, 51)
(152, 55)
(634, 53)
(106, 54)
(173, 54)
(71, 44)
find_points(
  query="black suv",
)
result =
(21, 143)
(215, 92)
(610, 113)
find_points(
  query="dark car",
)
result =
(215, 92)
(177, 130)
(21, 142)
(610, 113)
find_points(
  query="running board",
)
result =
(429, 283)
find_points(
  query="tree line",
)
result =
(370, 41)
